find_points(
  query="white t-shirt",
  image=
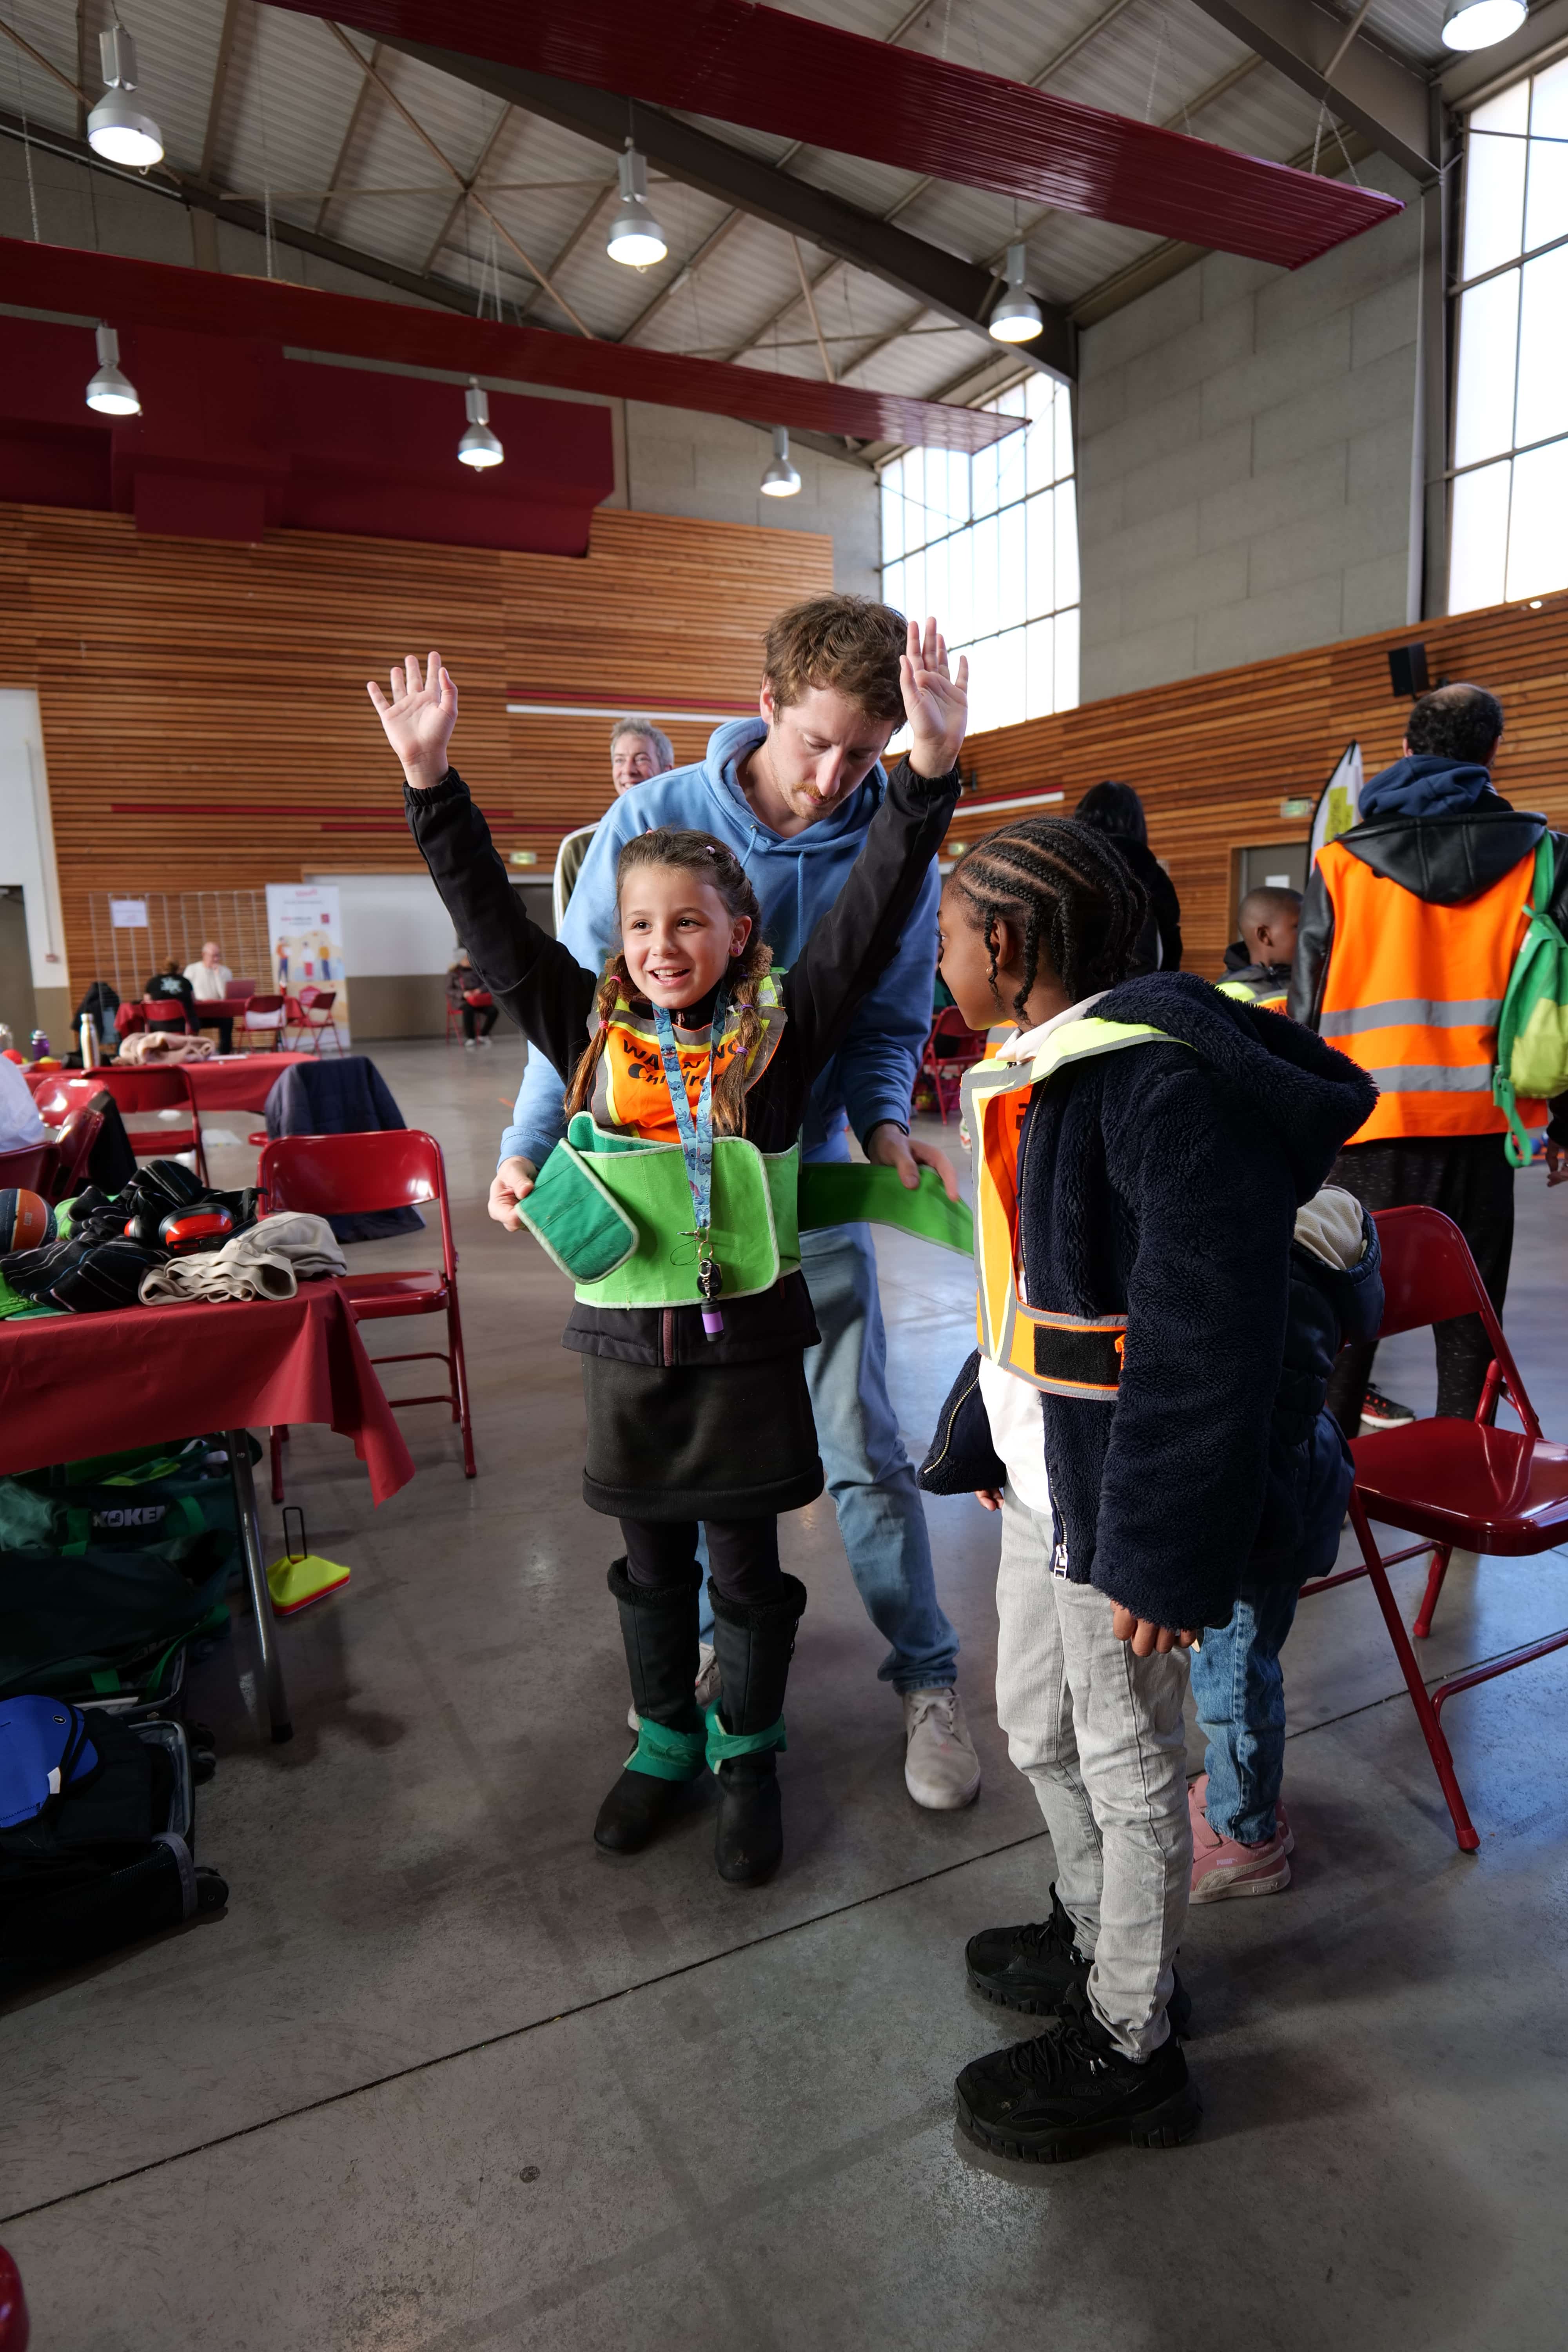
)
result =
(209, 981)
(1013, 1403)
(19, 1122)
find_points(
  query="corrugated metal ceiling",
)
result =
(294, 121)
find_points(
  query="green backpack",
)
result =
(1532, 1028)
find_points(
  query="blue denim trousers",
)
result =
(870, 1476)
(1239, 1693)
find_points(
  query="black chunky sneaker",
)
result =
(1070, 2088)
(1032, 1969)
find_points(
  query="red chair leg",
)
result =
(461, 1382)
(1441, 1554)
(1426, 1713)
(277, 1437)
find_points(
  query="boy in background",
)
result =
(1259, 965)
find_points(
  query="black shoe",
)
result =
(1034, 1969)
(747, 1840)
(635, 1811)
(1071, 2087)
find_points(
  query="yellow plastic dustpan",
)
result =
(301, 1576)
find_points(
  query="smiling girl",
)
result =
(691, 1339)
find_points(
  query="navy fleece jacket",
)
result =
(1163, 1182)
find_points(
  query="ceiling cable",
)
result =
(27, 137)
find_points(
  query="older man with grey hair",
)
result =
(639, 749)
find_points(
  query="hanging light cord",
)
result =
(26, 139)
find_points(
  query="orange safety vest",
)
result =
(1067, 1355)
(1412, 994)
(630, 1089)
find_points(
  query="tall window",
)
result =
(1509, 534)
(989, 544)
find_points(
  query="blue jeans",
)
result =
(870, 1476)
(1239, 1693)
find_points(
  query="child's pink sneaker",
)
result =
(1222, 1866)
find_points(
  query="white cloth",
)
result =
(269, 1261)
(160, 1046)
(19, 1122)
(209, 981)
(1330, 1226)
(1013, 1403)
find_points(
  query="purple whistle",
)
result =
(712, 1322)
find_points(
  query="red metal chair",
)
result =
(311, 1013)
(73, 1149)
(14, 2323)
(329, 1175)
(1453, 1483)
(262, 1023)
(147, 1090)
(164, 1013)
(57, 1097)
(30, 1168)
(951, 1048)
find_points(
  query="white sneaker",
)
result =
(705, 1690)
(470, 1044)
(942, 1770)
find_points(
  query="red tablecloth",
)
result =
(71, 1385)
(236, 1081)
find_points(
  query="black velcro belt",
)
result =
(1080, 1358)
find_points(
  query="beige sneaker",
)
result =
(942, 1770)
(705, 1690)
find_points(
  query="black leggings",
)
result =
(742, 1555)
(484, 1014)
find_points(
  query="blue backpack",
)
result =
(44, 1751)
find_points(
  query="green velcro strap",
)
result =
(724, 1745)
(666, 1755)
(845, 1193)
(578, 1224)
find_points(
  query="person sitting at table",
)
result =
(20, 1123)
(463, 988)
(169, 984)
(210, 981)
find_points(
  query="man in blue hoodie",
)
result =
(1409, 932)
(792, 792)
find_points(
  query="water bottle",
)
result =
(38, 1045)
(88, 1035)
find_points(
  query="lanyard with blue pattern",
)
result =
(697, 1147)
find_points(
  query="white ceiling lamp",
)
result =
(1477, 23)
(479, 445)
(1017, 318)
(112, 394)
(781, 480)
(635, 237)
(117, 128)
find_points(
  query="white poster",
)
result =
(1338, 803)
(127, 914)
(305, 925)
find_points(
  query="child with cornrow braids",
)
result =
(1140, 1149)
(691, 1333)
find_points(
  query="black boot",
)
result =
(753, 1647)
(1035, 1967)
(658, 1625)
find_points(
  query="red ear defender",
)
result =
(207, 1225)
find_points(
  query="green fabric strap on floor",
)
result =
(666, 1755)
(845, 1193)
(724, 1745)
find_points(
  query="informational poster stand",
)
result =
(1338, 803)
(304, 922)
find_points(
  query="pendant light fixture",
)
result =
(479, 445)
(110, 392)
(117, 128)
(1479, 23)
(781, 480)
(635, 237)
(1017, 316)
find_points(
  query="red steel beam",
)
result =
(808, 81)
(154, 294)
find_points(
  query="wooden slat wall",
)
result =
(227, 683)
(1213, 757)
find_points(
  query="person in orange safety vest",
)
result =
(1409, 932)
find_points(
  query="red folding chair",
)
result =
(951, 1048)
(311, 1013)
(1453, 1483)
(56, 1098)
(73, 1149)
(329, 1175)
(147, 1090)
(30, 1168)
(14, 2327)
(262, 1023)
(164, 1013)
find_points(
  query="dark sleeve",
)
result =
(1314, 946)
(1212, 1206)
(853, 940)
(1168, 914)
(533, 977)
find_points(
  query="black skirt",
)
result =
(699, 1441)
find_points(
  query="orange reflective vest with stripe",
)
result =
(1068, 1355)
(1413, 993)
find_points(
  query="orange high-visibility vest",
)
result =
(1067, 1355)
(1412, 994)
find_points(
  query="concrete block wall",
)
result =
(711, 467)
(1243, 459)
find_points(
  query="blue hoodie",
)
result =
(873, 1075)
(1423, 784)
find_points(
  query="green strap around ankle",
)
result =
(666, 1755)
(724, 1745)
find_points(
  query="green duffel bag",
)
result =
(124, 1501)
(106, 1619)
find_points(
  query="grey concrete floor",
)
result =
(445, 2076)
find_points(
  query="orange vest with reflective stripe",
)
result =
(1412, 994)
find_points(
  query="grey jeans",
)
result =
(1098, 1732)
